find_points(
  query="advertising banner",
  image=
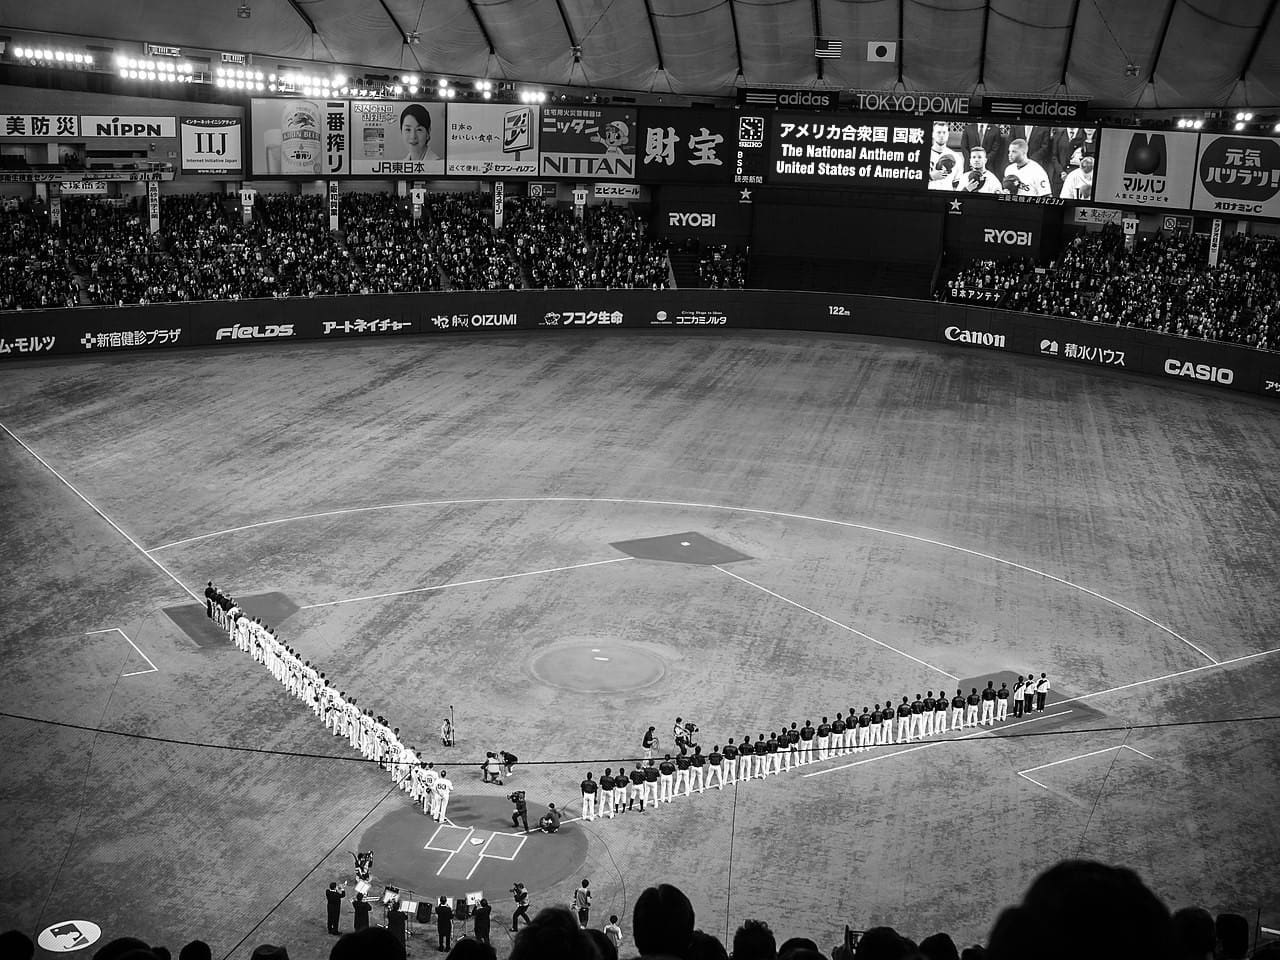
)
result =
(153, 206)
(937, 104)
(1215, 241)
(334, 205)
(298, 138)
(1097, 215)
(1055, 111)
(996, 231)
(492, 139)
(210, 145)
(84, 188)
(1238, 175)
(397, 138)
(708, 215)
(1145, 168)
(687, 146)
(788, 99)
(140, 127)
(595, 142)
(52, 126)
(882, 153)
(499, 204)
(616, 191)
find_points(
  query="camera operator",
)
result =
(520, 815)
(521, 897)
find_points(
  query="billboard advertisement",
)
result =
(397, 138)
(210, 145)
(884, 152)
(1145, 168)
(298, 138)
(594, 142)
(1238, 175)
(492, 139)
(687, 146)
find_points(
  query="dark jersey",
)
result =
(793, 735)
(606, 783)
(904, 710)
(715, 758)
(698, 760)
(928, 704)
(589, 786)
(772, 744)
(875, 715)
(865, 719)
(666, 768)
(761, 748)
(1003, 693)
(838, 726)
(682, 762)
(824, 729)
(917, 706)
(730, 752)
(958, 702)
(637, 777)
(806, 732)
(651, 774)
(974, 699)
(988, 694)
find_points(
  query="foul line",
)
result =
(92, 506)
(842, 626)
(932, 743)
(1170, 676)
(703, 506)
(461, 583)
(133, 673)
(1079, 756)
(470, 831)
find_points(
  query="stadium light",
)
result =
(1276, 128)
(1239, 126)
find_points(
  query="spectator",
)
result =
(662, 921)
(940, 946)
(1232, 937)
(466, 949)
(883, 943)
(372, 943)
(195, 950)
(1193, 927)
(754, 941)
(1124, 919)
(553, 934)
(16, 944)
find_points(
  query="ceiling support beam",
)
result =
(982, 48)
(817, 34)
(737, 40)
(653, 31)
(1164, 33)
(484, 31)
(1071, 39)
(1263, 27)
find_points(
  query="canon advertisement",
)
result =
(882, 152)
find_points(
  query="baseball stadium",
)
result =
(412, 411)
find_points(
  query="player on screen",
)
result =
(946, 168)
(1078, 184)
(1023, 177)
(979, 179)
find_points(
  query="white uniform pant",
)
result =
(731, 769)
(988, 711)
(1002, 708)
(940, 720)
(806, 751)
(694, 781)
(715, 771)
(957, 718)
(886, 731)
(824, 745)
(682, 781)
(664, 787)
(971, 715)
(588, 806)
(904, 729)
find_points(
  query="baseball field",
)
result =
(495, 526)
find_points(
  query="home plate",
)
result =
(477, 841)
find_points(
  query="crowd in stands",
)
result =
(1075, 909)
(605, 247)
(720, 267)
(104, 253)
(1162, 282)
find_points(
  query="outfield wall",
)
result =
(94, 331)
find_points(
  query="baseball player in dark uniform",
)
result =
(824, 738)
(604, 803)
(807, 733)
(731, 761)
(683, 764)
(926, 718)
(651, 774)
(666, 779)
(886, 722)
(989, 704)
(639, 788)
(589, 788)
(904, 720)
(1002, 702)
(957, 710)
(697, 766)
(971, 704)
(838, 728)
(715, 768)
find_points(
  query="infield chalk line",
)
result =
(470, 831)
(842, 626)
(932, 743)
(1078, 756)
(479, 857)
(1170, 676)
(92, 506)
(132, 673)
(703, 506)
(461, 583)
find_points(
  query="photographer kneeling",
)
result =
(550, 821)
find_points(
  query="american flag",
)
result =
(828, 49)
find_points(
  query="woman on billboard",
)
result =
(415, 128)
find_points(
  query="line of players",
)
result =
(655, 782)
(373, 736)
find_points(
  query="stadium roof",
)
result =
(1120, 53)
